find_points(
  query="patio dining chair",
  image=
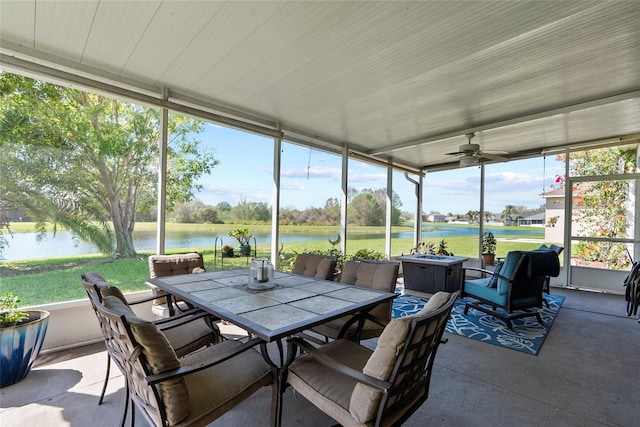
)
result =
(357, 386)
(193, 390)
(171, 265)
(378, 275)
(186, 333)
(314, 265)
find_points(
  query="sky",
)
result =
(310, 177)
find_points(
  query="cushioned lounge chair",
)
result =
(515, 291)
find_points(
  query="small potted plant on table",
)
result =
(488, 248)
(242, 235)
(22, 333)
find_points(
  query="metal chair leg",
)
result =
(133, 411)
(106, 379)
(126, 405)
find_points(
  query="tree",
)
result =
(186, 212)
(368, 208)
(87, 162)
(365, 210)
(507, 214)
(474, 216)
(209, 215)
(602, 209)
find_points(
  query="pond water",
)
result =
(26, 245)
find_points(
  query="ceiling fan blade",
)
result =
(495, 157)
(454, 153)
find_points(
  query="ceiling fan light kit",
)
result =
(472, 155)
(468, 160)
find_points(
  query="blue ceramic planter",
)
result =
(20, 345)
(244, 250)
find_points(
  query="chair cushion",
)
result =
(381, 276)
(365, 400)
(555, 248)
(215, 390)
(170, 265)
(160, 357)
(478, 288)
(188, 337)
(104, 287)
(324, 387)
(507, 270)
(318, 266)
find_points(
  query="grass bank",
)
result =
(55, 279)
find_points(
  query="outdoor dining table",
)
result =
(295, 303)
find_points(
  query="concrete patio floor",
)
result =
(586, 374)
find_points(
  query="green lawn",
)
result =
(42, 281)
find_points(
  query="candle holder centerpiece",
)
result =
(261, 274)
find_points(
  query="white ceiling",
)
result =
(392, 79)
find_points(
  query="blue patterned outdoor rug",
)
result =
(527, 335)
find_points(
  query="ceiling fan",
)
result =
(472, 155)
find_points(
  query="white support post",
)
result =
(389, 209)
(568, 213)
(481, 219)
(636, 209)
(275, 200)
(162, 176)
(417, 223)
(343, 205)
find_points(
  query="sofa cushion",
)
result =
(364, 399)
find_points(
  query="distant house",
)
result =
(537, 219)
(436, 218)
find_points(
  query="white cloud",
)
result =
(372, 180)
(291, 184)
(313, 172)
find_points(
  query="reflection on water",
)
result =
(25, 245)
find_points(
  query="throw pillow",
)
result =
(494, 279)
(364, 399)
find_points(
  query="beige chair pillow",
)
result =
(366, 400)
(104, 287)
(326, 266)
(349, 272)
(161, 358)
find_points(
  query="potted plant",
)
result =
(242, 235)
(22, 333)
(488, 248)
(428, 248)
(227, 251)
